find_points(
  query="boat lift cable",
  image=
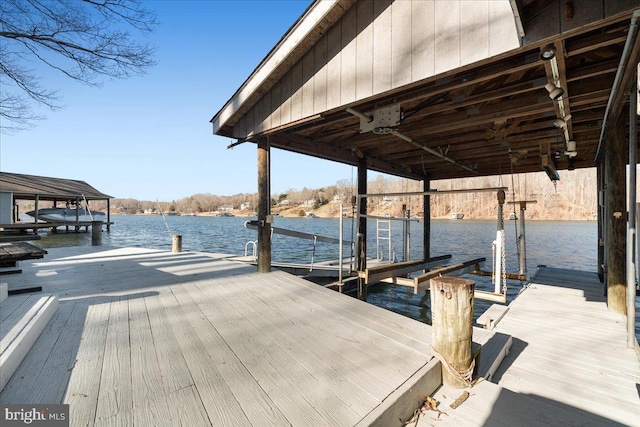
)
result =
(163, 217)
(513, 199)
(87, 205)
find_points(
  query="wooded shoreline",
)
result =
(568, 199)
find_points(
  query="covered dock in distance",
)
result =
(431, 90)
(55, 191)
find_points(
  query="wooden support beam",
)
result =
(421, 282)
(616, 215)
(397, 269)
(402, 281)
(512, 276)
(264, 206)
(490, 296)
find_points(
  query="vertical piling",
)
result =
(426, 217)
(600, 213)
(615, 161)
(108, 215)
(522, 242)
(452, 328)
(96, 233)
(631, 221)
(264, 207)
(176, 243)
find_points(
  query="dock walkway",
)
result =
(146, 337)
(568, 364)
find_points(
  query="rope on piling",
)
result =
(465, 376)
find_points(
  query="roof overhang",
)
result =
(307, 30)
(493, 116)
(32, 187)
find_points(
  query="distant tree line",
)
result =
(573, 197)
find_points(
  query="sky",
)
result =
(149, 137)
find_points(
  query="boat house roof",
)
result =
(45, 188)
(426, 89)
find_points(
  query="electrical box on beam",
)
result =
(383, 120)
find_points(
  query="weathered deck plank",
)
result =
(571, 349)
(84, 384)
(222, 407)
(116, 392)
(255, 403)
(312, 349)
(173, 367)
(23, 387)
(231, 326)
(10, 306)
(299, 381)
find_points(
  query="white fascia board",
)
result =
(314, 15)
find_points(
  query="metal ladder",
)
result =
(383, 232)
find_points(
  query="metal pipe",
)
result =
(408, 228)
(410, 140)
(626, 51)
(356, 113)
(631, 221)
(432, 151)
(498, 261)
(340, 250)
(523, 241)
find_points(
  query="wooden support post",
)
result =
(108, 215)
(615, 220)
(361, 256)
(631, 221)
(452, 327)
(600, 199)
(426, 217)
(176, 246)
(264, 206)
(96, 233)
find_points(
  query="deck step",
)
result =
(492, 353)
(22, 319)
(4, 291)
(490, 318)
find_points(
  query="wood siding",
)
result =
(382, 45)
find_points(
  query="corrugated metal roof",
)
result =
(47, 188)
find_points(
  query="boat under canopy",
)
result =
(67, 215)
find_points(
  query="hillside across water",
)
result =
(574, 197)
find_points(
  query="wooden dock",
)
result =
(33, 227)
(146, 337)
(12, 252)
(568, 365)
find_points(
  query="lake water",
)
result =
(562, 244)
